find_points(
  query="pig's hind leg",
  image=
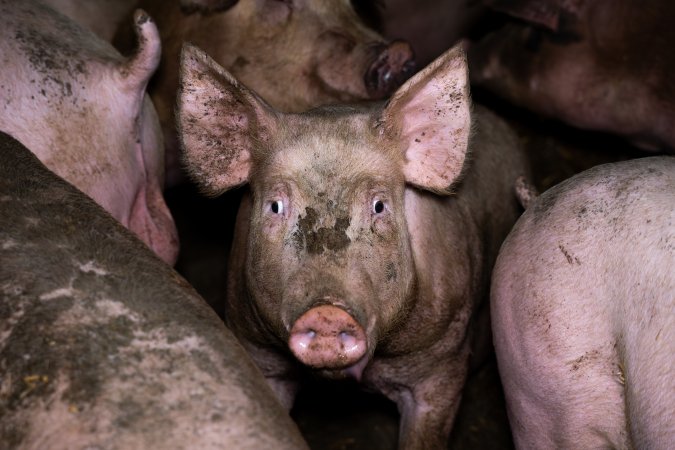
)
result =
(562, 382)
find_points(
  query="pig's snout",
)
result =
(393, 65)
(327, 337)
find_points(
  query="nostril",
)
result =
(409, 68)
(346, 338)
(393, 65)
(304, 340)
(350, 343)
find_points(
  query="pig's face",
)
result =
(298, 54)
(329, 263)
(328, 226)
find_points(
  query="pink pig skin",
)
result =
(583, 311)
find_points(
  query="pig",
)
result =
(103, 17)
(81, 107)
(601, 65)
(297, 54)
(349, 257)
(583, 302)
(104, 346)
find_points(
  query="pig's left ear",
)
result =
(220, 122)
(430, 115)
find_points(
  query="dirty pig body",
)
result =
(430, 26)
(82, 109)
(347, 259)
(583, 301)
(602, 65)
(104, 346)
(296, 54)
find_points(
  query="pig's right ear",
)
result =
(220, 122)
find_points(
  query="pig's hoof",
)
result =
(327, 337)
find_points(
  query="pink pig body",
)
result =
(583, 311)
(82, 109)
(349, 258)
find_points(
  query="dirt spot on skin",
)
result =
(57, 61)
(584, 360)
(317, 240)
(36, 348)
(131, 412)
(391, 271)
(570, 258)
(48, 55)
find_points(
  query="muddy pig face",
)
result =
(329, 263)
(298, 54)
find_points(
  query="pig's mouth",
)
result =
(354, 371)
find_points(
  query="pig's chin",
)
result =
(354, 371)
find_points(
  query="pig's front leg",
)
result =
(428, 402)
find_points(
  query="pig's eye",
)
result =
(277, 207)
(378, 206)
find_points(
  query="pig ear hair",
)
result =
(220, 123)
(138, 69)
(206, 6)
(430, 115)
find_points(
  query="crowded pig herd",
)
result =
(208, 205)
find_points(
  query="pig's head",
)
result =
(298, 54)
(329, 262)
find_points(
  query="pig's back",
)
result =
(582, 310)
